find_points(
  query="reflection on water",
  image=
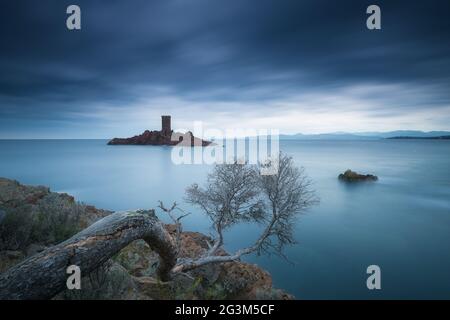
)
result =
(401, 222)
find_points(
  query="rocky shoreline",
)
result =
(130, 274)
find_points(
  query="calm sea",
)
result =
(401, 222)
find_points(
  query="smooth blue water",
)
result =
(401, 222)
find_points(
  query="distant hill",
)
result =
(327, 136)
(427, 138)
(407, 133)
(399, 134)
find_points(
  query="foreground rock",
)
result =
(351, 176)
(130, 274)
(232, 280)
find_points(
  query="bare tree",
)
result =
(236, 193)
(288, 194)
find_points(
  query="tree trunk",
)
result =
(43, 275)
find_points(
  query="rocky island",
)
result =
(165, 137)
(351, 176)
(34, 221)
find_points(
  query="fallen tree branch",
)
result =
(43, 275)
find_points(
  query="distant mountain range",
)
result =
(399, 134)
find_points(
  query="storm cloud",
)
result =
(298, 66)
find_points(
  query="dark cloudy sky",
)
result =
(296, 65)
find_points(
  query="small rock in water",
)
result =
(351, 176)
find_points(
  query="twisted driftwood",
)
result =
(43, 275)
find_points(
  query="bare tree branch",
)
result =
(238, 193)
(176, 221)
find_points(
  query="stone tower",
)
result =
(166, 127)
